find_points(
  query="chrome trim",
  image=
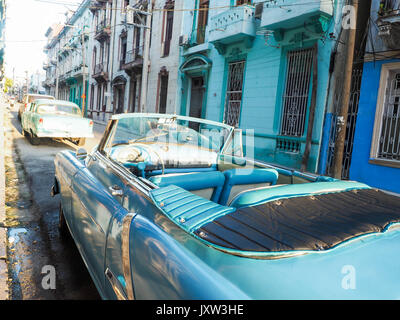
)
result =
(228, 140)
(149, 183)
(125, 174)
(115, 284)
(116, 191)
(126, 261)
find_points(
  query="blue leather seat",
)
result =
(187, 209)
(260, 196)
(251, 177)
(193, 181)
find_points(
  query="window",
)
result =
(169, 6)
(242, 2)
(162, 107)
(123, 43)
(91, 97)
(202, 21)
(233, 100)
(94, 59)
(386, 140)
(296, 93)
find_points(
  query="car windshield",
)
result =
(33, 98)
(179, 132)
(69, 110)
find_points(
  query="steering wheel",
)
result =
(151, 150)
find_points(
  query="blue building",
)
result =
(263, 66)
(376, 145)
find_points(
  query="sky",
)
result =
(26, 25)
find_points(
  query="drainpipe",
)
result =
(111, 56)
(343, 113)
(146, 61)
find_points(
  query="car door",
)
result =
(94, 204)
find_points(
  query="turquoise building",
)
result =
(263, 67)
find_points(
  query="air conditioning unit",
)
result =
(258, 10)
(184, 40)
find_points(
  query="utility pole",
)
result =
(83, 71)
(56, 93)
(113, 23)
(146, 60)
(343, 113)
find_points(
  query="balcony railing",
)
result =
(234, 25)
(100, 71)
(388, 7)
(388, 23)
(290, 14)
(133, 59)
(103, 30)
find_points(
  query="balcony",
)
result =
(97, 5)
(388, 23)
(133, 61)
(103, 31)
(49, 82)
(234, 25)
(281, 15)
(100, 73)
(79, 71)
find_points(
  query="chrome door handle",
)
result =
(116, 191)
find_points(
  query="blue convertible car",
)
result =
(170, 207)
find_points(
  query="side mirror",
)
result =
(81, 154)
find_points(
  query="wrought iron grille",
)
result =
(297, 91)
(234, 92)
(389, 142)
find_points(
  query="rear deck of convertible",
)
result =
(316, 222)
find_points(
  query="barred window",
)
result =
(389, 140)
(233, 99)
(296, 92)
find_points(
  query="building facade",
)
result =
(270, 68)
(263, 67)
(117, 58)
(376, 147)
(68, 59)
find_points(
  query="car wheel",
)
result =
(34, 140)
(62, 224)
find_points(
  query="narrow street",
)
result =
(32, 217)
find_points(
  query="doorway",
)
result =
(196, 100)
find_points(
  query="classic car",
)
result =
(28, 99)
(173, 207)
(56, 119)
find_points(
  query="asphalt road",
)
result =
(36, 250)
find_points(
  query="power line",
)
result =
(271, 4)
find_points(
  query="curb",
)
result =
(3, 231)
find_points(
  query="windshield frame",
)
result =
(113, 125)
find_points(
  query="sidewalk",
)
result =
(3, 231)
